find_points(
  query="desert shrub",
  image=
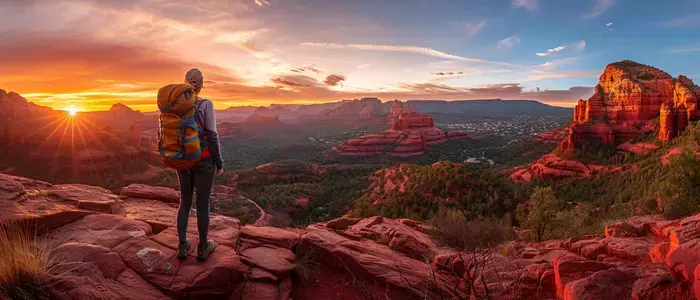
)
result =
(23, 265)
(586, 219)
(648, 205)
(677, 207)
(647, 76)
(507, 248)
(241, 214)
(452, 229)
(279, 220)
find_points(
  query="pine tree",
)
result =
(540, 214)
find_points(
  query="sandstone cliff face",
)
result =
(628, 96)
(124, 247)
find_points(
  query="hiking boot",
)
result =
(182, 249)
(203, 251)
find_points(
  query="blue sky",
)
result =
(259, 52)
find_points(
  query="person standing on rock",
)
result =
(199, 178)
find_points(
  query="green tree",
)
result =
(540, 214)
(683, 186)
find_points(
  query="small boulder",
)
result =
(271, 235)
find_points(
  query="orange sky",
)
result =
(91, 54)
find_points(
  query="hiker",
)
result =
(189, 143)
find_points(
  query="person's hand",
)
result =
(219, 172)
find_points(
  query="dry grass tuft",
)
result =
(305, 266)
(23, 264)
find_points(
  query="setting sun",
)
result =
(72, 111)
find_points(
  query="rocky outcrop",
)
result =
(126, 255)
(112, 247)
(637, 148)
(552, 137)
(627, 98)
(411, 134)
(552, 166)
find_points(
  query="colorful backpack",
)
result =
(180, 133)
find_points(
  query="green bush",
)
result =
(452, 229)
(683, 186)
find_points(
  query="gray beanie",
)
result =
(195, 78)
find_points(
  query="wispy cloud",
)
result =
(608, 24)
(546, 74)
(509, 42)
(551, 51)
(601, 6)
(474, 28)
(401, 48)
(308, 67)
(530, 5)
(553, 64)
(262, 3)
(573, 46)
(684, 50)
(682, 21)
(105, 80)
(240, 37)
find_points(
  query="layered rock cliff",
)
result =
(628, 98)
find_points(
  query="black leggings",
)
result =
(199, 178)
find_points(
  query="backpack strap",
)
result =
(199, 119)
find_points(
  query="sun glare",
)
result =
(72, 111)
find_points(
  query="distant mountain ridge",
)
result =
(486, 106)
(374, 106)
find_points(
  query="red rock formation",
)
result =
(226, 129)
(130, 254)
(411, 134)
(398, 108)
(638, 148)
(135, 134)
(552, 166)
(551, 137)
(627, 97)
(412, 120)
